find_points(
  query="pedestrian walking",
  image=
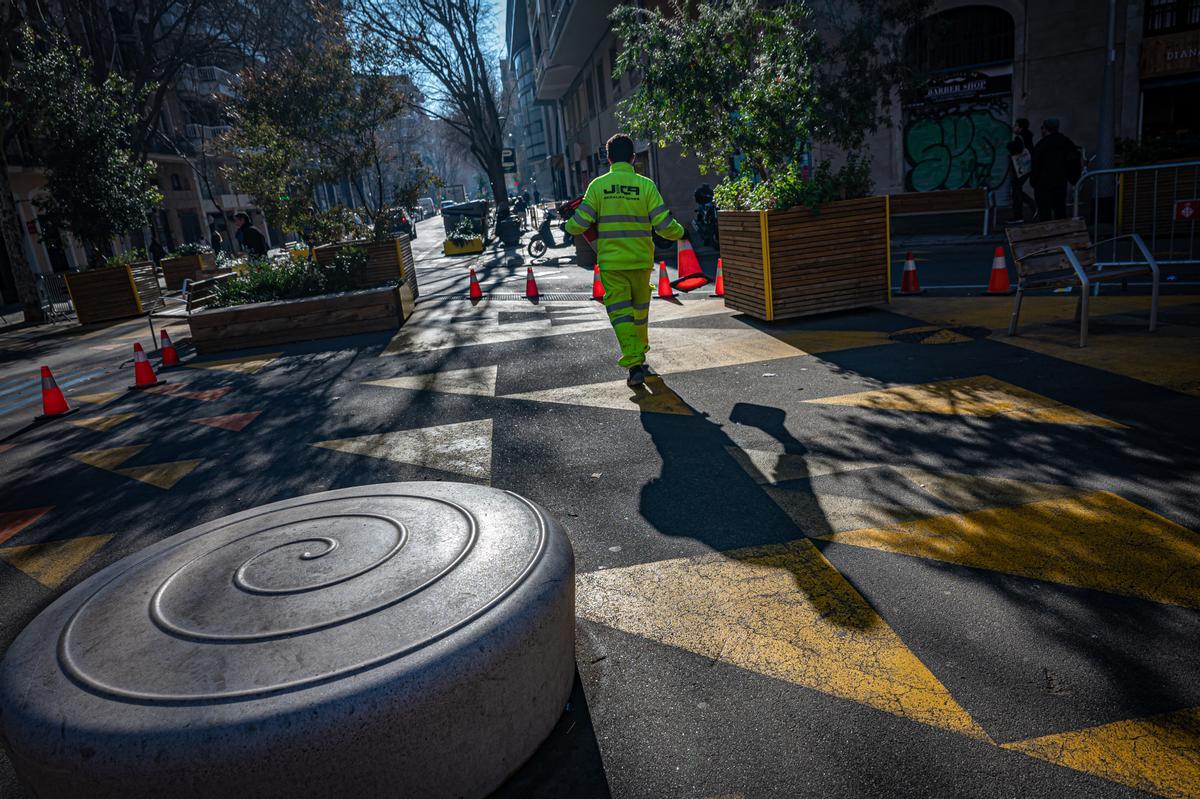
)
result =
(156, 251)
(215, 239)
(627, 209)
(1056, 163)
(1021, 131)
(1020, 162)
(248, 236)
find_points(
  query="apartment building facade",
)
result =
(571, 51)
(997, 61)
(991, 62)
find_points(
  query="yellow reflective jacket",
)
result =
(626, 207)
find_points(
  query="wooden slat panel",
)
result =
(102, 295)
(948, 200)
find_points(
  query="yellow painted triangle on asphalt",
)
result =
(1096, 540)
(968, 492)
(107, 458)
(1158, 755)
(972, 396)
(97, 399)
(815, 342)
(163, 475)
(247, 364)
(54, 561)
(102, 423)
(463, 448)
(783, 611)
(654, 397)
(480, 381)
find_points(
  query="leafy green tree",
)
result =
(81, 133)
(721, 78)
(313, 114)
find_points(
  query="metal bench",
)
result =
(1062, 253)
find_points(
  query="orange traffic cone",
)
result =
(169, 356)
(53, 401)
(998, 282)
(531, 289)
(664, 282)
(719, 289)
(143, 373)
(597, 285)
(475, 292)
(690, 276)
(908, 281)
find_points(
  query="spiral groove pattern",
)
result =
(293, 595)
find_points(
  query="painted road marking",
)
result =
(463, 448)
(654, 397)
(1096, 540)
(14, 521)
(818, 515)
(783, 611)
(162, 475)
(972, 396)
(207, 395)
(107, 459)
(102, 423)
(6, 447)
(246, 365)
(968, 492)
(54, 561)
(1160, 754)
(767, 467)
(815, 342)
(236, 422)
(480, 381)
(97, 399)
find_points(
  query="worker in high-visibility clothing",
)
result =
(626, 208)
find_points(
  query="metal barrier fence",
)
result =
(56, 300)
(1160, 202)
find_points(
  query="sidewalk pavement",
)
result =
(881, 553)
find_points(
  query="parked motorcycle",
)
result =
(705, 219)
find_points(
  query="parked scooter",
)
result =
(544, 238)
(705, 219)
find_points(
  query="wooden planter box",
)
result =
(285, 321)
(115, 292)
(388, 261)
(186, 267)
(468, 247)
(785, 264)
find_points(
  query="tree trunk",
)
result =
(495, 173)
(11, 233)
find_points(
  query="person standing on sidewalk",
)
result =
(1020, 165)
(250, 237)
(627, 210)
(1056, 163)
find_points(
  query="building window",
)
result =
(971, 36)
(600, 85)
(175, 184)
(591, 98)
(1169, 16)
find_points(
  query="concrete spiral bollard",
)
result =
(405, 639)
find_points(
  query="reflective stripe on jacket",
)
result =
(626, 208)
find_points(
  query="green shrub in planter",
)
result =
(289, 279)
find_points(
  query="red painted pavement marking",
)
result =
(233, 421)
(205, 396)
(14, 521)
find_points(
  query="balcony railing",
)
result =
(207, 81)
(203, 133)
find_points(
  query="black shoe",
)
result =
(637, 376)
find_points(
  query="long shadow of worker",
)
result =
(704, 493)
